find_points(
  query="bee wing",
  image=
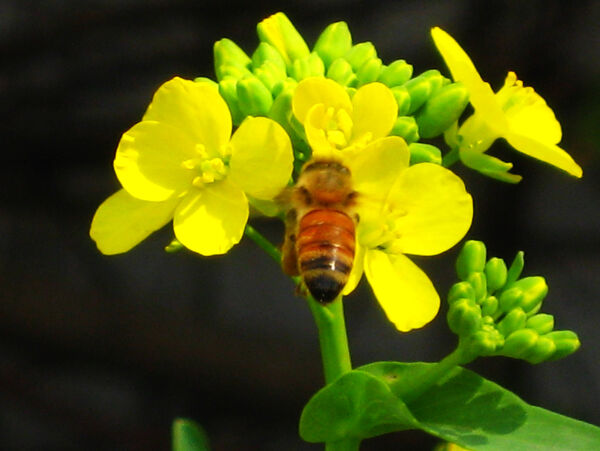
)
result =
(289, 259)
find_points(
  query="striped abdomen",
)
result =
(325, 249)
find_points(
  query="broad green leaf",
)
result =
(357, 405)
(475, 413)
(188, 436)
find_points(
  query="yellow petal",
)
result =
(536, 121)
(149, 161)
(462, 69)
(374, 111)
(548, 153)
(261, 158)
(122, 221)
(196, 109)
(405, 293)
(211, 220)
(315, 90)
(435, 210)
(357, 270)
(315, 126)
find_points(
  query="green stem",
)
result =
(263, 243)
(332, 338)
(450, 158)
(435, 373)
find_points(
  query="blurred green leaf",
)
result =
(188, 436)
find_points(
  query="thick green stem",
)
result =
(332, 338)
(263, 243)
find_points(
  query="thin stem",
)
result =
(263, 243)
(450, 158)
(332, 338)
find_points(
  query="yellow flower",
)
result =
(182, 163)
(422, 209)
(333, 122)
(515, 113)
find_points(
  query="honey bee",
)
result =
(320, 228)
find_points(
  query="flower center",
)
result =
(338, 127)
(514, 97)
(208, 169)
(387, 234)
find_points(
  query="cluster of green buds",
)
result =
(263, 83)
(495, 312)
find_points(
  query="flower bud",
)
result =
(543, 350)
(281, 110)
(396, 74)
(341, 71)
(228, 90)
(369, 72)
(422, 87)
(424, 153)
(334, 42)
(406, 127)
(464, 317)
(516, 267)
(513, 321)
(542, 323)
(495, 273)
(510, 299)
(267, 53)
(519, 343)
(269, 75)
(461, 290)
(442, 109)
(278, 31)
(402, 99)
(173, 246)
(308, 66)
(359, 54)
(486, 342)
(477, 280)
(229, 71)
(534, 291)
(228, 54)
(489, 305)
(470, 259)
(254, 98)
(566, 342)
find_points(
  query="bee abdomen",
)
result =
(325, 248)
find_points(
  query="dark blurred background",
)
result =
(101, 353)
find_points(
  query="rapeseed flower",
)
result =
(182, 163)
(516, 113)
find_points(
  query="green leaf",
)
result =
(188, 436)
(475, 413)
(357, 405)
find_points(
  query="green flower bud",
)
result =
(513, 321)
(510, 299)
(254, 98)
(516, 267)
(309, 66)
(495, 273)
(470, 259)
(477, 280)
(422, 87)
(566, 342)
(534, 291)
(341, 71)
(486, 342)
(359, 54)
(543, 350)
(396, 74)
(228, 90)
(173, 246)
(267, 53)
(461, 290)
(269, 74)
(281, 110)
(228, 54)
(334, 42)
(489, 305)
(278, 31)
(519, 343)
(424, 153)
(442, 109)
(229, 71)
(542, 323)
(464, 317)
(402, 99)
(369, 72)
(406, 128)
